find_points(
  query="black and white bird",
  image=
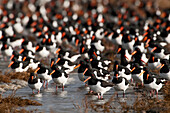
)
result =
(34, 82)
(59, 77)
(121, 83)
(19, 66)
(123, 71)
(137, 74)
(98, 86)
(165, 70)
(44, 73)
(153, 62)
(128, 42)
(151, 82)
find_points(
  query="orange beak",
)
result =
(145, 33)
(44, 39)
(121, 28)
(133, 69)
(147, 76)
(52, 63)
(57, 60)
(141, 73)
(129, 38)
(162, 66)
(153, 58)
(33, 24)
(134, 53)
(36, 70)
(153, 49)
(32, 77)
(85, 32)
(145, 38)
(39, 33)
(83, 49)
(34, 29)
(116, 67)
(22, 50)
(87, 79)
(1, 37)
(91, 59)
(102, 21)
(119, 50)
(23, 40)
(93, 37)
(63, 34)
(105, 33)
(24, 58)
(37, 48)
(95, 54)
(59, 28)
(58, 50)
(111, 34)
(49, 40)
(77, 41)
(10, 64)
(168, 28)
(2, 25)
(52, 72)
(158, 65)
(85, 71)
(148, 41)
(77, 66)
(5, 45)
(12, 57)
(117, 76)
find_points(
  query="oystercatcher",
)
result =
(137, 74)
(128, 42)
(43, 73)
(165, 70)
(19, 66)
(98, 86)
(34, 82)
(122, 70)
(59, 77)
(42, 50)
(153, 62)
(6, 49)
(151, 82)
(121, 83)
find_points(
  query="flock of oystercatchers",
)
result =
(140, 41)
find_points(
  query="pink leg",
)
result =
(44, 84)
(32, 91)
(38, 91)
(98, 96)
(157, 94)
(150, 93)
(56, 87)
(47, 84)
(123, 94)
(153, 92)
(62, 87)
